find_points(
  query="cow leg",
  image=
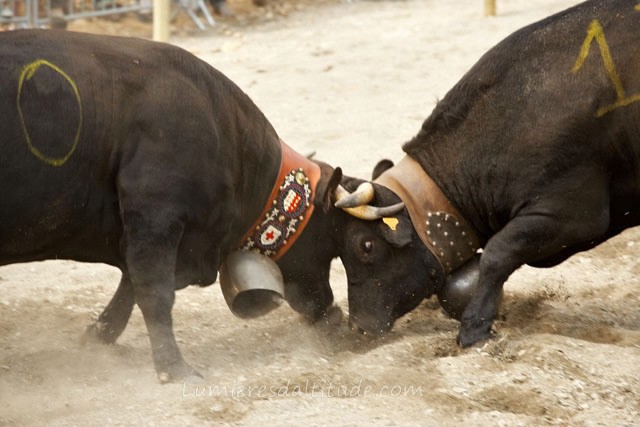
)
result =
(150, 248)
(114, 317)
(526, 238)
(314, 303)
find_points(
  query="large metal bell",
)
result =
(460, 287)
(251, 283)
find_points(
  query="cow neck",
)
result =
(288, 208)
(440, 226)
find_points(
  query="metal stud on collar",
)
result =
(448, 238)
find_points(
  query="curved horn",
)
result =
(371, 213)
(363, 195)
(365, 211)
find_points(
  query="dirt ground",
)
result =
(352, 80)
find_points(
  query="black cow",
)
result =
(139, 155)
(532, 156)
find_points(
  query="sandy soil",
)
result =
(352, 80)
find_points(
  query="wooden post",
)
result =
(489, 7)
(161, 10)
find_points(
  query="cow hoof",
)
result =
(328, 317)
(97, 333)
(327, 323)
(331, 318)
(180, 373)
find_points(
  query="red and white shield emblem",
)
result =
(270, 235)
(292, 201)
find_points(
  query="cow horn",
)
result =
(363, 195)
(365, 211)
(371, 213)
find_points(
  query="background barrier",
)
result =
(56, 13)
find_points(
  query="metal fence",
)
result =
(56, 13)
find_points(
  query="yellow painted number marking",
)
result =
(391, 222)
(596, 32)
(27, 73)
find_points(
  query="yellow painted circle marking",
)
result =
(27, 73)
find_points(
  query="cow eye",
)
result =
(367, 246)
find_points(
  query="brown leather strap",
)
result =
(289, 207)
(440, 226)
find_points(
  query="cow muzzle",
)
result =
(251, 283)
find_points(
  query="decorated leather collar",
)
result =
(288, 208)
(438, 223)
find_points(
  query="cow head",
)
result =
(302, 231)
(329, 233)
(390, 271)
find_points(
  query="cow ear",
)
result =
(382, 166)
(397, 230)
(326, 189)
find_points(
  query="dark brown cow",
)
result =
(139, 155)
(533, 156)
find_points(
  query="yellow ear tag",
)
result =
(391, 222)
